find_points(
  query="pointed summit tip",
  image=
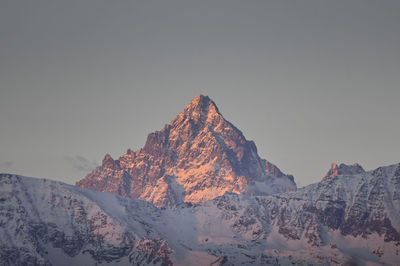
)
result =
(107, 157)
(200, 109)
(203, 103)
(333, 172)
(200, 98)
(109, 162)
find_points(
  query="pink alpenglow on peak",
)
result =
(343, 169)
(108, 162)
(197, 157)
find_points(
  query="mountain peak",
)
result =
(201, 101)
(343, 169)
(109, 162)
(200, 98)
(200, 109)
(197, 157)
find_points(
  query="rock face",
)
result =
(197, 157)
(351, 218)
(343, 169)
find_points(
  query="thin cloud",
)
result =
(80, 163)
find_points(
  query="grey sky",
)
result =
(311, 82)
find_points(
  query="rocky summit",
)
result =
(343, 169)
(197, 157)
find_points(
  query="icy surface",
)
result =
(349, 218)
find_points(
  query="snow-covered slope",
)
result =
(50, 223)
(345, 219)
(197, 157)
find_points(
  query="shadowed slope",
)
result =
(352, 216)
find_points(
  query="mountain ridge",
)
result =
(343, 169)
(197, 157)
(350, 218)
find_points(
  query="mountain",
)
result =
(197, 157)
(221, 205)
(352, 219)
(343, 169)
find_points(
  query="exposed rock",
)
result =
(343, 169)
(197, 157)
(152, 251)
(109, 163)
(50, 223)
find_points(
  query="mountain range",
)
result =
(197, 193)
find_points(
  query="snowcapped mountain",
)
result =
(197, 157)
(349, 219)
(198, 193)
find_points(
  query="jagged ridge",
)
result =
(195, 158)
(350, 217)
(343, 169)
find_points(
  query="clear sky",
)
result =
(311, 82)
